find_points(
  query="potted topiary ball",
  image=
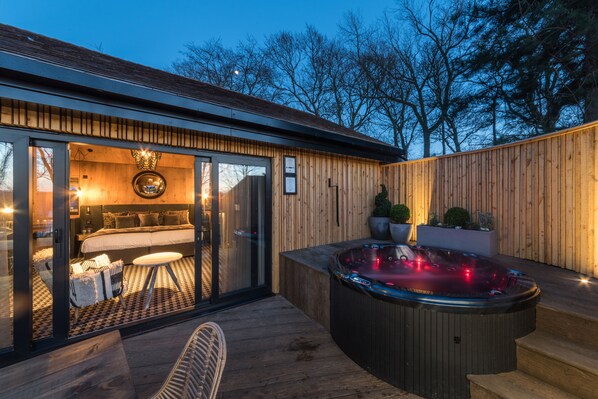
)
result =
(460, 234)
(400, 230)
(457, 217)
(380, 218)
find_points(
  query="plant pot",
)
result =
(379, 227)
(400, 232)
(479, 242)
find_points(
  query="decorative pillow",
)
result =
(99, 261)
(151, 219)
(171, 220)
(110, 218)
(183, 215)
(76, 268)
(137, 219)
(125, 222)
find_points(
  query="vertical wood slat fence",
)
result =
(542, 193)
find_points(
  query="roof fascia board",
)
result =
(30, 92)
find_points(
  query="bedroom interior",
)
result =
(122, 206)
(111, 218)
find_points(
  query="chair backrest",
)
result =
(198, 370)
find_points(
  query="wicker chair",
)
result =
(197, 372)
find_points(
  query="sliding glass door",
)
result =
(6, 245)
(49, 244)
(242, 218)
(33, 252)
(42, 218)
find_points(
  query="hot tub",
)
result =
(422, 319)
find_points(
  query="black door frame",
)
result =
(22, 239)
(23, 139)
(253, 161)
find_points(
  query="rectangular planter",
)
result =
(483, 243)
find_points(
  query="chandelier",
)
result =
(146, 160)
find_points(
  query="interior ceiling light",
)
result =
(146, 160)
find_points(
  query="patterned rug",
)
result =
(165, 299)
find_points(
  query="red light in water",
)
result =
(419, 264)
(377, 264)
(468, 273)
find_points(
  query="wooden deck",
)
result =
(274, 351)
(93, 368)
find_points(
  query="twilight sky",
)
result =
(154, 32)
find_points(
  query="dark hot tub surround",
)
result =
(422, 319)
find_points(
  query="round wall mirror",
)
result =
(149, 184)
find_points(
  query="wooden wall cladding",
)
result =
(542, 193)
(106, 173)
(298, 221)
(109, 183)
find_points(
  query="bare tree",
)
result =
(390, 119)
(243, 69)
(415, 61)
(301, 69)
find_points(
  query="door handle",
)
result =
(57, 236)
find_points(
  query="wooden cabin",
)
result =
(103, 160)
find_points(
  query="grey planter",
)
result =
(400, 232)
(483, 243)
(379, 227)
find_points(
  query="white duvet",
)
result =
(110, 242)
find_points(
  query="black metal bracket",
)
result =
(336, 187)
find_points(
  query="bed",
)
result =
(131, 231)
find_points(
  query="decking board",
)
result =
(274, 351)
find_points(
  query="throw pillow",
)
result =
(151, 219)
(76, 268)
(125, 222)
(183, 216)
(171, 220)
(101, 260)
(110, 218)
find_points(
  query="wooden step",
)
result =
(513, 385)
(559, 362)
(581, 329)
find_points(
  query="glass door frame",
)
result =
(23, 139)
(198, 215)
(217, 159)
(22, 247)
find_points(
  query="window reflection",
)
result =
(242, 191)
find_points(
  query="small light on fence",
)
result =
(584, 280)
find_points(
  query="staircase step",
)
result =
(513, 385)
(572, 326)
(559, 362)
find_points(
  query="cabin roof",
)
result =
(252, 110)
